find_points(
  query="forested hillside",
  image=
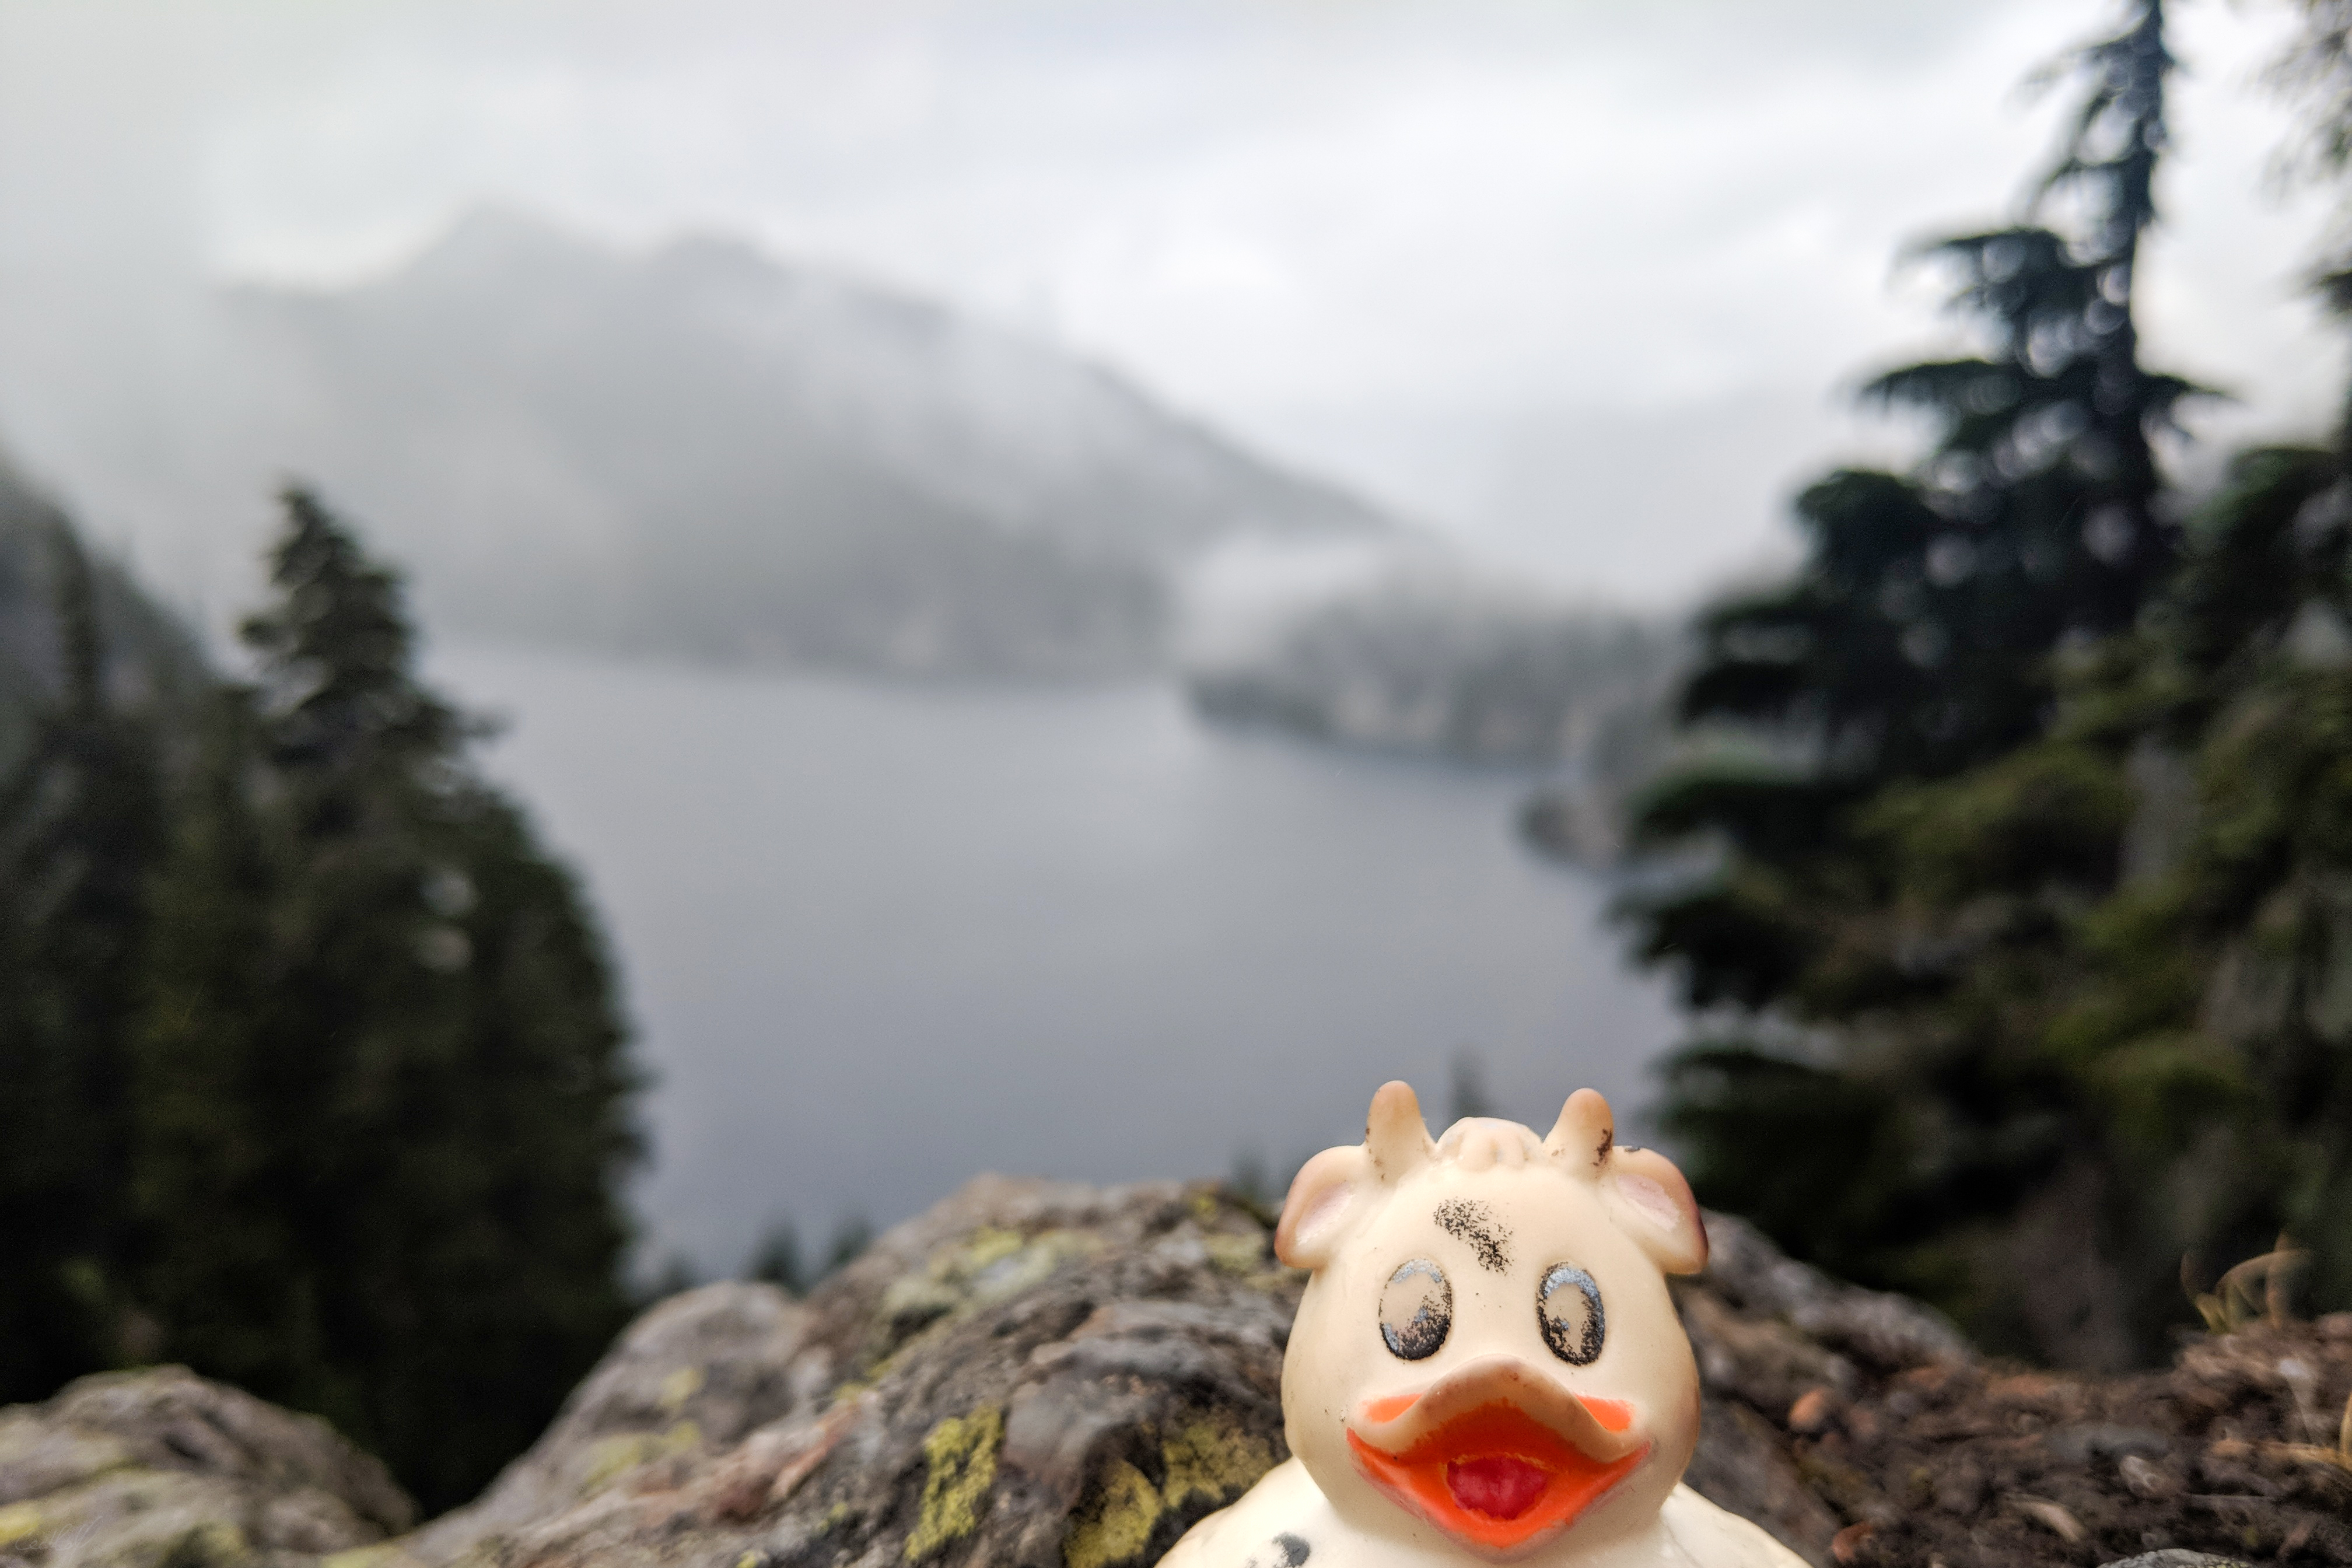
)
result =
(2025, 976)
(1428, 660)
(1425, 662)
(316, 1076)
(148, 656)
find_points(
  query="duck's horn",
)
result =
(1395, 1134)
(1584, 1134)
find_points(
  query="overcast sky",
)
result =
(1576, 279)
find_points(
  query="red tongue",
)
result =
(1498, 1486)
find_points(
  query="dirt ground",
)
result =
(2239, 1449)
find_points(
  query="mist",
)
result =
(1497, 268)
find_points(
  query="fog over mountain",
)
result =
(698, 451)
(147, 659)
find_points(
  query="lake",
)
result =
(877, 937)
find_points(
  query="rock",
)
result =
(162, 1467)
(1062, 1377)
(1045, 1376)
(1885, 1331)
(1030, 1373)
(696, 1376)
(1743, 1465)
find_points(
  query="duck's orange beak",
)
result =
(1495, 1454)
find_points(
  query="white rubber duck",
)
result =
(1486, 1366)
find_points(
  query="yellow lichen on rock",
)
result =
(960, 1460)
(990, 1244)
(1213, 1459)
(213, 1544)
(991, 1265)
(381, 1554)
(19, 1520)
(1115, 1522)
(1031, 1264)
(680, 1386)
(1238, 1254)
(612, 1457)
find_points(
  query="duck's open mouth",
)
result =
(1500, 1486)
(1495, 1473)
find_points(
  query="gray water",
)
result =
(877, 938)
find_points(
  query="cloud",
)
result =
(1388, 238)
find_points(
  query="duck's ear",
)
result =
(1327, 1192)
(1331, 1190)
(1652, 1203)
(1646, 1197)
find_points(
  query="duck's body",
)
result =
(1285, 1521)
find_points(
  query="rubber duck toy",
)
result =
(1486, 1366)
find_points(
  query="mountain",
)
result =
(700, 450)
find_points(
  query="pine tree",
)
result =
(387, 1094)
(777, 1258)
(2211, 1023)
(221, 1179)
(1878, 1116)
(80, 823)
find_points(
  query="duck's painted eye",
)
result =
(1567, 1308)
(1416, 1310)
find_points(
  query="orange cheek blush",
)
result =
(1614, 1415)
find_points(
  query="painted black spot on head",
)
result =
(1469, 1221)
(1607, 1142)
(1293, 1549)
